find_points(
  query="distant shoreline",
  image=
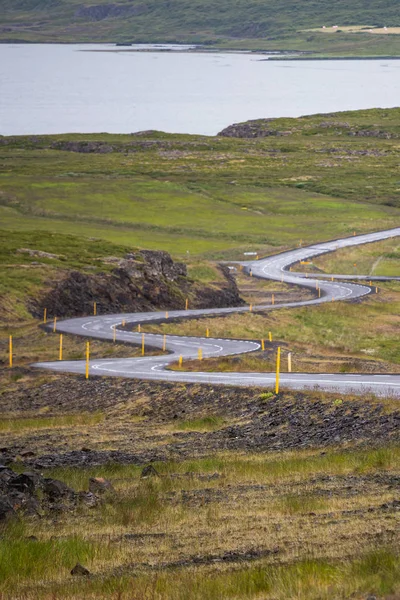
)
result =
(187, 48)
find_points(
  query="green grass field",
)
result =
(200, 198)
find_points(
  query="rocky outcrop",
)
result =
(252, 129)
(32, 494)
(141, 281)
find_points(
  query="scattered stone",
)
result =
(91, 500)
(80, 570)
(99, 485)
(38, 253)
(149, 471)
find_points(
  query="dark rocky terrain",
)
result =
(141, 417)
(142, 281)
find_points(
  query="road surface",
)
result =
(275, 268)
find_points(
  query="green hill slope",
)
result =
(267, 24)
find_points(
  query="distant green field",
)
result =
(248, 24)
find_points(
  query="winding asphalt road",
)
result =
(275, 268)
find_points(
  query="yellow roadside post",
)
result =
(10, 350)
(250, 307)
(55, 325)
(138, 328)
(180, 361)
(270, 336)
(319, 292)
(273, 299)
(87, 359)
(114, 332)
(123, 322)
(200, 354)
(166, 315)
(45, 315)
(370, 282)
(60, 350)
(331, 278)
(142, 344)
(278, 365)
(186, 303)
(95, 308)
(262, 345)
(376, 290)
(289, 362)
(207, 332)
(164, 343)
(316, 285)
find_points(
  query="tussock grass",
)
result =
(135, 542)
(209, 423)
(248, 467)
(80, 420)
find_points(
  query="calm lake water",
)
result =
(96, 88)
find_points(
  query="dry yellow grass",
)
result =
(208, 518)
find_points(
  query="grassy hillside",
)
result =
(270, 24)
(83, 197)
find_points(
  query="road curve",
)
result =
(274, 267)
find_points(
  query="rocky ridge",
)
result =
(142, 281)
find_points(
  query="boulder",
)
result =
(80, 570)
(99, 485)
(55, 489)
(149, 471)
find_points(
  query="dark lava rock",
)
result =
(80, 570)
(6, 508)
(142, 281)
(55, 489)
(26, 482)
(149, 471)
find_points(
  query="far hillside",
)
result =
(255, 24)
